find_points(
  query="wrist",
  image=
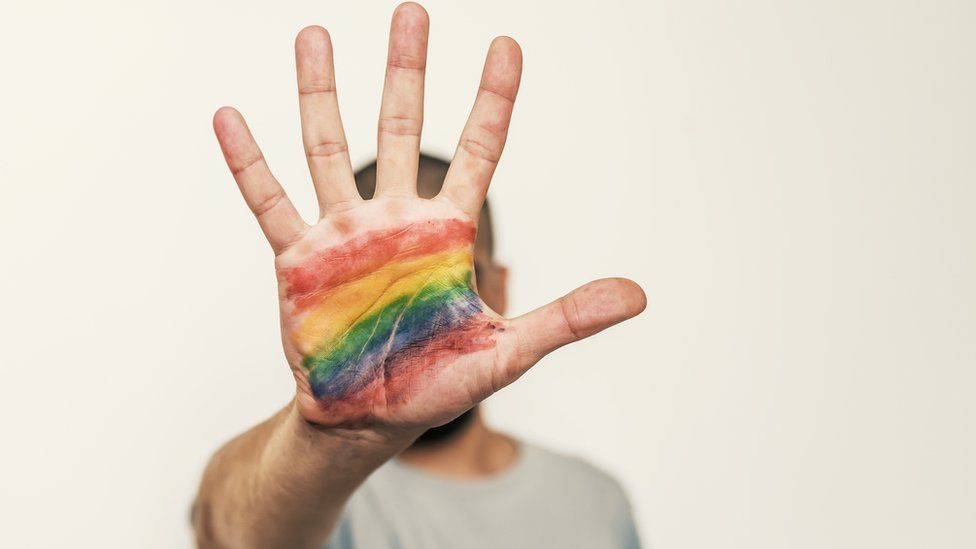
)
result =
(383, 442)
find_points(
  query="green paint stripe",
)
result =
(375, 329)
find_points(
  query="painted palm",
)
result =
(375, 317)
(381, 321)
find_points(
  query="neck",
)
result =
(476, 451)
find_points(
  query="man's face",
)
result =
(491, 279)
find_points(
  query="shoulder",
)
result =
(571, 467)
(578, 476)
(586, 494)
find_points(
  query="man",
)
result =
(391, 323)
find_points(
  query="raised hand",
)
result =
(381, 320)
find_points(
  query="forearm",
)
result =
(284, 482)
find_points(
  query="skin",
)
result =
(284, 482)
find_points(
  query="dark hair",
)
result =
(431, 172)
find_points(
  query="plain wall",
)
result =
(793, 183)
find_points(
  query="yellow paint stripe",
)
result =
(346, 304)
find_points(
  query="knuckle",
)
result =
(245, 165)
(313, 88)
(268, 203)
(326, 149)
(400, 125)
(480, 149)
(571, 316)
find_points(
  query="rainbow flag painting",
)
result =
(385, 307)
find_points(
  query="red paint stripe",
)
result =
(370, 251)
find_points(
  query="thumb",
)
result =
(579, 314)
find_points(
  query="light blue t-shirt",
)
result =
(543, 500)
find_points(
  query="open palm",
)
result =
(381, 320)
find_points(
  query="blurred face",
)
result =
(491, 279)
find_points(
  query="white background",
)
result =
(792, 182)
